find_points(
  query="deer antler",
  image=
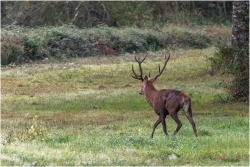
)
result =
(161, 70)
(139, 62)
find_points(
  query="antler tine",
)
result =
(168, 57)
(138, 59)
(144, 58)
(164, 66)
(140, 65)
(136, 75)
(139, 62)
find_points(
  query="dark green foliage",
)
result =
(240, 86)
(31, 49)
(68, 41)
(11, 50)
(197, 41)
(131, 46)
(57, 35)
(152, 42)
(234, 61)
(222, 60)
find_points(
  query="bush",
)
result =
(11, 50)
(34, 49)
(234, 61)
(21, 44)
(152, 42)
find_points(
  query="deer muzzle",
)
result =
(141, 93)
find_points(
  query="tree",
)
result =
(234, 59)
(240, 43)
(240, 24)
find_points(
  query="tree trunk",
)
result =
(240, 22)
(240, 42)
(225, 8)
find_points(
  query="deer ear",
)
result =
(146, 78)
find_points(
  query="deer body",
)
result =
(165, 101)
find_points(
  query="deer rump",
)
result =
(171, 101)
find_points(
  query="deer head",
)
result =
(147, 80)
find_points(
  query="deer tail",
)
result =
(187, 105)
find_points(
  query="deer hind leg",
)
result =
(177, 121)
(163, 122)
(157, 122)
(188, 112)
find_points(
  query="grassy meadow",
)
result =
(88, 112)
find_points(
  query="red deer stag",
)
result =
(165, 101)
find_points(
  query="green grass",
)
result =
(93, 115)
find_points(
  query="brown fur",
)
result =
(166, 101)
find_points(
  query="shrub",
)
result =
(33, 48)
(11, 50)
(234, 61)
(22, 44)
(152, 42)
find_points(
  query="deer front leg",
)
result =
(163, 122)
(157, 122)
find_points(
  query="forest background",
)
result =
(122, 13)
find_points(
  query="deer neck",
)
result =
(150, 92)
